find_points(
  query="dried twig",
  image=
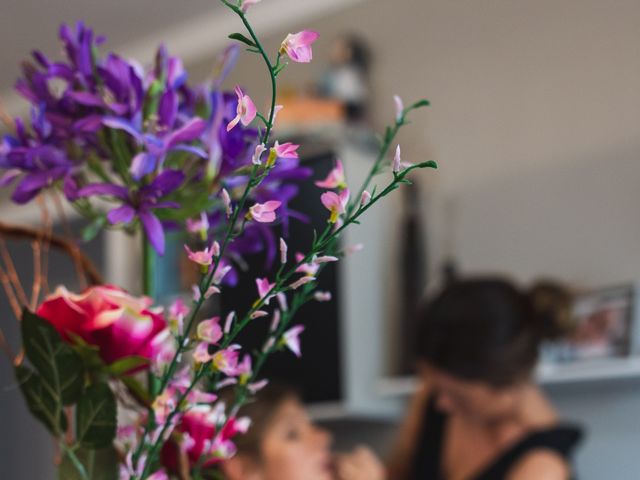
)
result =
(12, 273)
(13, 300)
(21, 232)
(37, 273)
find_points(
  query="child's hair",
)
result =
(261, 410)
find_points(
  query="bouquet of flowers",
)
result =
(128, 389)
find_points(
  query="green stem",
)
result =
(74, 460)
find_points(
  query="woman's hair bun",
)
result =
(551, 306)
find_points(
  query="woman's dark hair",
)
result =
(488, 330)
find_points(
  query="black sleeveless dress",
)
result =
(427, 463)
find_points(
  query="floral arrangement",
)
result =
(130, 390)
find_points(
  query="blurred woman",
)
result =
(478, 414)
(284, 444)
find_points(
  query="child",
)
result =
(284, 444)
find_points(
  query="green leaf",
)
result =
(125, 365)
(59, 366)
(279, 68)
(99, 465)
(419, 104)
(90, 231)
(40, 402)
(96, 417)
(136, 388)
(241, 38)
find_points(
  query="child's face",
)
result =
(294, 448)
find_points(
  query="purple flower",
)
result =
(140, 203)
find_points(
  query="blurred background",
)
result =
(535, 125)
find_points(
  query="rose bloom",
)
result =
(107, 317)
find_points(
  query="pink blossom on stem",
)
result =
(226, 360)
(365, 198)
(228, 321)
(260, 149)
(283, 251)
(264, 287)
(301, 281)
(286, 150)
(226, 199)
(325, 259)
(245, 112)
(275, 321)
(335, 178)
(399, 107)
(212, 290)
(298, 45)
(397, 161)
(276, 110)
(258, 314)
(221, 272)
(291, 339)
(264, 212)
(200, 226)
(335, 203)
(306, 268)
(255, 387)
(203, 258)
(201, 353)
(215, 249)
(322, 296)
(282, 301)
(248, 3)
(196, 293)
(209, 330)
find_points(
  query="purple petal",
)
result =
(188, 132)
(89, 124)
(86, 98)
(117, 191)
(165, 183)
(225, 64)
(168, 108)
(31, 185)
(195, 150)
(142, 164)
(123, 214)
(153, 230)
(121, 124)
(166, 205)
(9, 176)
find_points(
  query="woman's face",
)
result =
(474, 400)
(294, 448)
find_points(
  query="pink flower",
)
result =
(322, 296)
(275, 321)
(365, 198)
(255, 387)
(301, 281)
(177, 313)
(164, 348)
(335, 178)
(264, 287)
(226, 360)
(201, 353)
(325, 259)
(248, 3)
(258, 314)
(201, 257)
(264, 212)
(283, 251)
(286, 150)
(291, 339)
(221, 272)
(246, 110)
(200, 226)
(397, 161)
(399, 107)
(335, 203)
(276, 110)
(260, 149)
(298, 45)
(244, 368)
(212, 290)
(226, 199)
(306, 268)
(228, 321)
(209, 330)
(107, 317)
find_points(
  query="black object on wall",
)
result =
(317, 375)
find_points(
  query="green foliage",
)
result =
(98, 465)
(96, 417)
(241, 38)
(42, 403)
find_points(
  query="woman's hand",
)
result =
(360, 464)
